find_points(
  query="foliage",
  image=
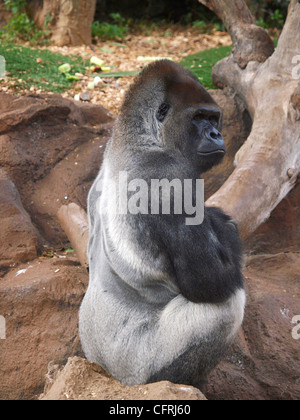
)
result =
(200, 25)
(116, 30)
(275, 20)
(189, 12)
(201, 64)
(270, 14)
(21, 27)
(15, 6)
(33, 67)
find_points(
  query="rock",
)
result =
(82, 380)
(85, 96)
(281, 233)
(19, 240)
(266, 365)
(45, 143)
(39, 302)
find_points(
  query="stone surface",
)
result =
(39, 302)
(82, 380)
(19, 240)
(282, 231)
(45, 144)
(264, 364)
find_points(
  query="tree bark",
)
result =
(251, 43)
(74, 222)
(70, 21)
(268, 164)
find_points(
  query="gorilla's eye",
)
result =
(199, 117)
(214, 120)
(163, 111)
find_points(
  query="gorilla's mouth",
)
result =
(214, 152)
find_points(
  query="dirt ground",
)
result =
(175, 43)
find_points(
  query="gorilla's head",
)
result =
(168, 107)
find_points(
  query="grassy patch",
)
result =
(201, 63)
(33, 67)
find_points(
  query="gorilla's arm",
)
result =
(206, 259)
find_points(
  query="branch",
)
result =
(250, 42)
(268, 164)
(74, 222)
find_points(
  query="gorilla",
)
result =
(165, 299)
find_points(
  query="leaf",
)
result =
(107, 50)
(65, 68)
(71, 77)
(117, 44)
(119, 74)
(96, 61)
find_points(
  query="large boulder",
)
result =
(52, 149)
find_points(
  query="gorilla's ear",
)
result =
(163, 111)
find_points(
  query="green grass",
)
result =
(201, 64)
(21, 64)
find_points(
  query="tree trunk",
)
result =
(70, 21)
(268, 164)
(251, 43)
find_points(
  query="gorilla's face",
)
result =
(192, 122)
(208, 141)
(168, 106)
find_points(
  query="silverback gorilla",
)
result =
(165, 298)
